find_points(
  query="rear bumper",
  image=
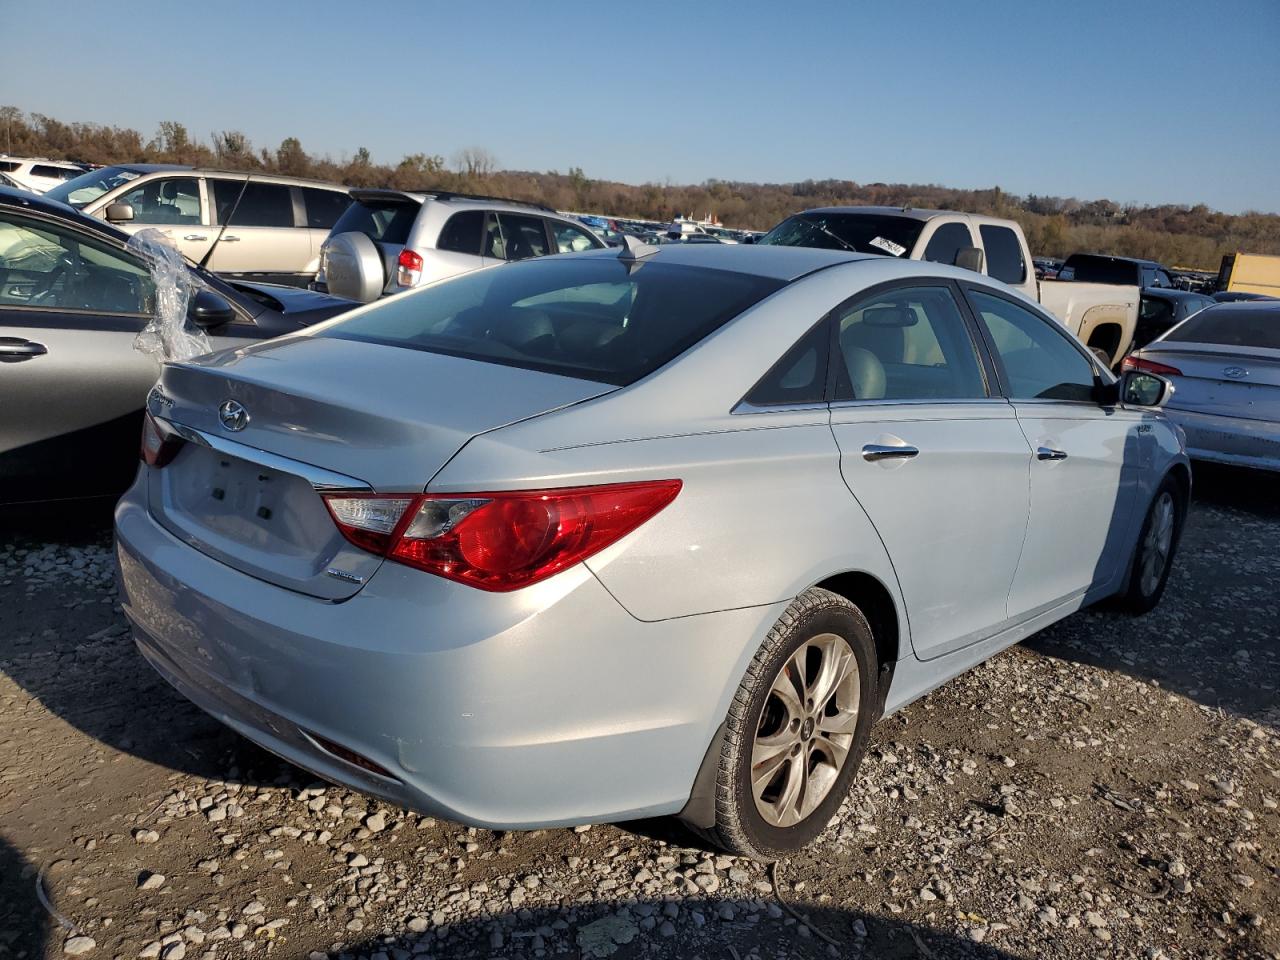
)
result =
(547, 706)
(1233, 440)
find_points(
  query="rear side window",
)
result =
(8, 166)
(462, 233)
(1232, 326)
(570, 239)
(382, 222)
(946, 243)
(510, 236)
(324, 207)
(1004, 254)
(263, 204)
(586, 317)
(801, 375)
(58, 173)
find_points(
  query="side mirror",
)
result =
(1141, 389)
(208, 310)
(969, 258)
(119, 212)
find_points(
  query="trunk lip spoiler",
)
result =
(319, 478)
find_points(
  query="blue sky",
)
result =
(1136, 101)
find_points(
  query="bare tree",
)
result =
(475, 162)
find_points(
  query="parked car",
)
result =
(12, 184)
(597, 537)
(1104, 317)
(1125, 271)
(1233, 296)
(1162, 309)
(1224, 363)
(38, 174)
(72, 300)
(389, 241)
(250, 226)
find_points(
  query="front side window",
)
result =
(165, 201)
(591, 318)
(43, 265)
(462, 233)
(1040, 363)
(946, 242)
(262, 205)
(569, 239)
(1004, 254)
(511, 236)
(324, 207)
(909, 343)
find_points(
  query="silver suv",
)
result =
(389, 241)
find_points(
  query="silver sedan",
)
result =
(1224, 363)
(608, 536)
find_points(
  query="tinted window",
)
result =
(569, 239)
(462, 233)
(801, 375)
(1086, 268)
(1232, 326)
(946, 243)
(510, 236)
(58, 173)
(910, 343)
(1004, 254)
(170, 200)
(263, 204)
(324, 207)
(860, 232)
(580, 317)
(51, 267)
(8, 166)
(1040, 362)
(383, 222)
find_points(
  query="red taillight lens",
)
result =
(160, 444)
(409, 268)
(498, 541)
(1149, 366)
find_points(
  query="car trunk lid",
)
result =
(336, 414)
(1228, 381)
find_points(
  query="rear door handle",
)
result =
(228, 239)
(16, 348)
(1048, 453)
(196, 236)
(884, 451)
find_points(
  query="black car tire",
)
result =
(1144, 591)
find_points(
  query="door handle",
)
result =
(1048, 453)
(885, 451)
(19, 349)
(229, 239)
(196, 236)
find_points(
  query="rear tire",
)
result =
(797, 729)
(1157, 544)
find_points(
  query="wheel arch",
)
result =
(869, 594)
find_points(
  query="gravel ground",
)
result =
(1107, 789)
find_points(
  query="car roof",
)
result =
(1245, 306)
(778, 263)
(1107, 256)
(906, 213)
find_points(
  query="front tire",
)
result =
(797, 729)
(1157, 544)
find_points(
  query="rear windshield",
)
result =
(382, 222)
(589, 317)
(1086, 269)
(861, 232)
(1243, 326)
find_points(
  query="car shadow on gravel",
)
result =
(1213, 638)
(678, 929)
(24, 924)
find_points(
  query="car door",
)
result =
(263, 237)
(934, 457)
(73, 386)
(1087, 457)
(174, 205)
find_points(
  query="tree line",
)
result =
(1186, 236)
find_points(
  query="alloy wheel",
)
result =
(806, 730)
(1157, 544)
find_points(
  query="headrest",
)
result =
(889, 317)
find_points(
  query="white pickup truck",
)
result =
(1103, 316)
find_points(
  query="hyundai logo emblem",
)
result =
(1235, 373)
(232, 415)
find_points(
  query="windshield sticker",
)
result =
(888, 246)
(127, 175)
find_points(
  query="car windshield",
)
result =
(595, 318)
(90, 186)
(860, 232)
(1243, 326)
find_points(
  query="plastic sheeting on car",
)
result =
(167, 335)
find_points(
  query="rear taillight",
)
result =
(408, 268)
(1149, 366)
(160, 443)
(498, 541)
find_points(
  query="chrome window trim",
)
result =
(917, 402)
(746, 407)
(318, 477)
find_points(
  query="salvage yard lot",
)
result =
(1108, 788)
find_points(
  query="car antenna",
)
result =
(204, 261)
(634, 250)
